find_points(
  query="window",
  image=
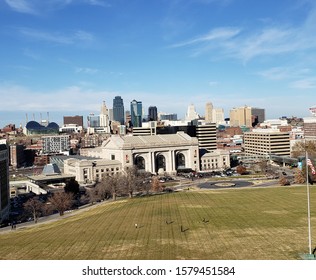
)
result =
(112, 157)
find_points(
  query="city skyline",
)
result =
(65, 57)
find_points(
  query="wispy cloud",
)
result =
(246, 44)
(283, 73)
(100, 3)
(304, 84)
(222, 33)
(21, 6)
(212, 83)
(57, 37)
(38, 7)
(31, 54)
(50, 100)
(86, 70)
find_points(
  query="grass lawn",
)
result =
(252, 223)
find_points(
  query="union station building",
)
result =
(157, 154)
(153, 153)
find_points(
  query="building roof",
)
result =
(51, 169)
(161, 140)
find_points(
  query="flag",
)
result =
(310, 164)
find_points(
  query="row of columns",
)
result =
(151, 159)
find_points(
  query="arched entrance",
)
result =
(180, 160)
(140, 163)
(160, 163)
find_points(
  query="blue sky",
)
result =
(66, 56)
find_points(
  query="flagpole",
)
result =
(308, 209)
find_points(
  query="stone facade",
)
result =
(154, 153)
(91, 170)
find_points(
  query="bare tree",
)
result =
(61, 201)
(101, 191)
(241, 170)
(35, 207)
(300, 148)
(144, 179)
(284, 181)
(299, 177)
(156, 185)
(131, 181)
(113, 185)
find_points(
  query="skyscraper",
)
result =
(136, 113)
(152, 113)
(209, 112)
(118, 109)
(104, 118)
(191, 113)
(247, 116)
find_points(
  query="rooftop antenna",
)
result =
(41, 118)
(33, 117)
(47, 117)
(26, 118)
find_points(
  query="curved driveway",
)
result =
(237, 184)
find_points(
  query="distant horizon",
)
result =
(18, 118)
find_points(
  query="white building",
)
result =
(91, 170)
(70, 128)
(191, 113)
(104, 118)
(215, 160)
(154, 153)
(273, 123)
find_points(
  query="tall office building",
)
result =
(266, 142)
(136, 113)
(191, 113)
(118, 109)
(104, 118)
(101, 123)
(152, 113)
(4, 183)
(218, 115)
(246, 116)
(206, 135)
(209, 112)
